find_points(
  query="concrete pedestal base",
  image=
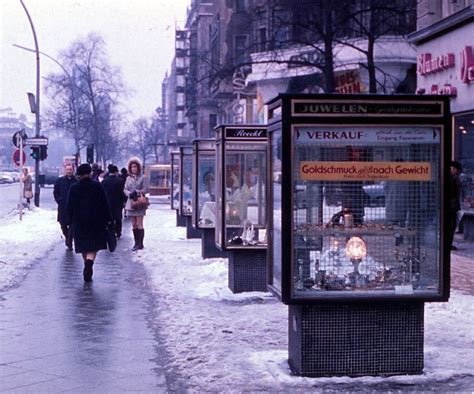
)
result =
(356, 339)
(180, 220)
(208, 244)
(191, 232)
(247, 270)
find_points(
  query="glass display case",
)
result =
(241, 160)
(358, 196)
(204, 183)
(174, 181)
(185, 180)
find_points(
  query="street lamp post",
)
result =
(37, 104)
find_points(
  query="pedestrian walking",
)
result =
(89, 214)
(27, 186)
(136, 186)
(60, 192)
(454, 202)
(113, 187)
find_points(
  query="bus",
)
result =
(159, 176)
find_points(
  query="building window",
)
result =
(240, 5)
(463, 148)
(262, 39)
(240, 49)
(212, 124)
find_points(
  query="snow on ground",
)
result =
(218, 339)
(22, 242)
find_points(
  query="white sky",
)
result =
(139, 38)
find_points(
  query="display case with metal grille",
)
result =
(358, 198)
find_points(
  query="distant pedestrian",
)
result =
(89, 214)
(113, 187)
(96, 171)
(135, 186)
(27, 186)
(454, 202)
(60, 192)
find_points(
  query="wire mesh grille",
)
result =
(366, 217)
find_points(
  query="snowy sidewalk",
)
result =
(176, 326)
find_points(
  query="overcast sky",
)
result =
(139, 37)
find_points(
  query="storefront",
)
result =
(445, 66)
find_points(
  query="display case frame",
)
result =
(174, 183)
(236, 146)
(290, 116)
(185, 180)
(204, 188)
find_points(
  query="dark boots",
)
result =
(88, 270)
(138, 235)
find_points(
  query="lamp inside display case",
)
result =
(185, 180)
(241, 187)
(364, 202)
(204, 183)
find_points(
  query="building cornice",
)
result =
(443, 26)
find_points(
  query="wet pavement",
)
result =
(58, 334)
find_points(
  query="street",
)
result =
(10, 196)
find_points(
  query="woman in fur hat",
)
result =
(136, 185)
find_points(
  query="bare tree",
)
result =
(85, 101)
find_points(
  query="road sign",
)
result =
(18, 136)
(16, 157)
(36, 141)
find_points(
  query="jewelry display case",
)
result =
(241, 186)
(358, 197)
(204, 195)
(174, 188)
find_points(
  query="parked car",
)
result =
(5, 177)
(49, 177)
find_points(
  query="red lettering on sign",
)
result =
(467, 65)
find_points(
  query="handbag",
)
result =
(142, 202)
(248, 233)
(111, 239)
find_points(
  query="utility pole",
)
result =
(37, 104)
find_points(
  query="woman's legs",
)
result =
(89, 258)
(138, 232)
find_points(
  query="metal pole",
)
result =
(21, 178)
(37, 104)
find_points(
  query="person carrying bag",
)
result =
(136, 187)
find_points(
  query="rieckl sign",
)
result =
(428, 64)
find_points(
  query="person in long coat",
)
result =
(60, 192)
(27, 186)
(135, 185)
(113, 187)
(89, 214)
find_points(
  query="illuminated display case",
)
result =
(204, 183)
(358, 198)
(185, 180)
(241, 161)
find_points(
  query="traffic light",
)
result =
(43, 152)
(35, 152)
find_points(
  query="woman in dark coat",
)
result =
(113, 187)
(88, 213)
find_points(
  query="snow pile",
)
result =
(22, 242)
(223, 341)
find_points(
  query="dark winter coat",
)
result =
(61, 189)
(113, 187)
(88, 213)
